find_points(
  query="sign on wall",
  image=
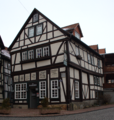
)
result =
(33, 76)
(27, 77)
(54, 73)
(42, 74)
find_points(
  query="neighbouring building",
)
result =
(53, 62)
(5, 73)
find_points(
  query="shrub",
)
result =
(44, 102)
(6, 103)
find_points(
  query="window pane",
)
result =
(39, 29)
(46, 51)
(39, 53)
(31, 32)
(42, 86)
(54, 88)
(24, 55)
(30, 54)
(35, 17)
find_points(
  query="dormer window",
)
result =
(35, 17)
(77, 35)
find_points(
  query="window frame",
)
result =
(34, 19)
(48, 51)
(41, 29)
(29, 32)
(55, 89)
(42, 89)
(29, 53)
(20, 91)
(75, 89)
(41, 52)
(26, 55)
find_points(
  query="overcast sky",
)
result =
(96, 18)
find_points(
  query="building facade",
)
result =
(49, 61)
(5, 73)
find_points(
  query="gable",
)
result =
(49, 32)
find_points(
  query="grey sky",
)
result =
(96, 18)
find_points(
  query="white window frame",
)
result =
(76, 89)
(77, 50)
(38, 53)
(21, 90)
(54, 89)
(31, 32)
(30, 52)
(39, 29)
(35, 17)
(23, 55)
(46, 50)
(40, 90)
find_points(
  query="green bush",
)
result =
(6, 103)
(44, 102)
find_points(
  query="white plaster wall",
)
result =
(32, 39)
(82, 63)
(29, 25)
(84, 78)
(95, 60)
(58, 38)
(55, 47)
(43, 63)
(13, 58)
(71, 72)
(21, 43)
(17, 67)
(86, 65)
(57, 33)
(42, 20)
(49, 26)
(18, 58)
(91, 87)
(27, 41)
(59, 59)
(72, 92)
(89, 67)
(76, 74)
(40, 17)
(28, 65)
(73, 59)
(16, 45)
(43, 37)
(15, 49)
(49, 35)
(62, 49)
(22, 36)
(30, 20)
(85, 55)
(62, 69)
(91, 79)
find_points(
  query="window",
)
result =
(39, 29)
(30, 54)
(46, 51)
(98, 79)
(98, 63)
(77, 35)
(31, 32)
(24, 55)
(20, 91)
(95, 80)
(35, 17)
(76, 89)
(92, 60)
(42, 90)
(77, 50)
(54, 88)
(89, 60)
(39, 53)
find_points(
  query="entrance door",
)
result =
(33, 99)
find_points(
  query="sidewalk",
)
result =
(35, 112)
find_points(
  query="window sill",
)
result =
(36, 59)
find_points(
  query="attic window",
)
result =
(31, 32)
(35, 17)
(77, 35)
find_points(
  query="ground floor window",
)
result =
(54, 88)
(21, 91)
(42, 89)
(76, 85)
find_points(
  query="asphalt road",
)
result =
(105, 114)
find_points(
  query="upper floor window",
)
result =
(99, 63)
(30, 54)
(31, 32)
(24, 55)
(77, 50)
(35, 17)
(38, 52)
(77, 35)
(89, 59)
(92, 60)
(46, 51)
(39, 29)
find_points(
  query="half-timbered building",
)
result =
(5, 73)
(49, 61)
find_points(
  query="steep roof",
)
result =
(102, 51)
(61, 29)
(1, 43)
(94, 47)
